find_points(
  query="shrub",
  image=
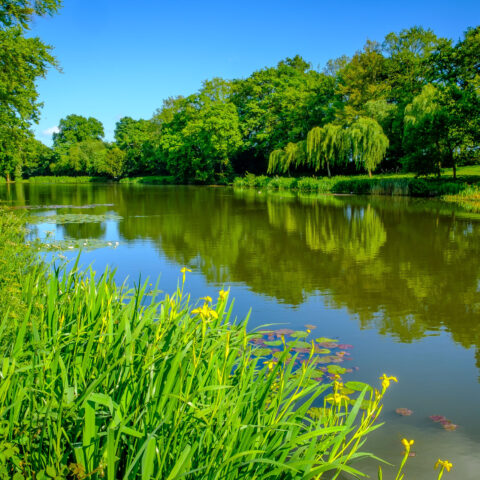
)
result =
(283, 183)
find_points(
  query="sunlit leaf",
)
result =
(299, 334)
(336, 369)
(357, 386)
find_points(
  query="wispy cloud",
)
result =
(50, 131)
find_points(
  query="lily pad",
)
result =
(273, 343)
(262, 352)
(328, 344)
(404, 412)
(301, 344)
(283, 331)
(336, 369)
(357, 386)
(438, 418)
(299, 334)
(325, 339)
(450, 427)
(310, 327)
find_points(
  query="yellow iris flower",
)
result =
(444, 464)
(386, 381)
(407, 444)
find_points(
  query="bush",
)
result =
(283, 183)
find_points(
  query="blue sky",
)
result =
(123, 57)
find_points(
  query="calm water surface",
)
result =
(399, 279)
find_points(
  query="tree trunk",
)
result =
(328, 170)
(454, 171)
(8, 177)
(369, 173)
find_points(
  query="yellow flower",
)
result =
(308, 330)
(445, 464)
(223, 294)
(407, 444)
(386, 381)
(205, 312)
(183, 271)
(337, 398)
(270, 364)
(207, 299)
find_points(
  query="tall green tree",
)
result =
(23, 60)
(326, 146)
(75, 129)
(137, 138)
(437, 129)
(279, 105)
(368, 143)
(362, 79)
(199, 134)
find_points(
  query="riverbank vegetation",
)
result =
(463, 187)
(407, 103)
(99, 381)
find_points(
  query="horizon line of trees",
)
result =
(410, 103)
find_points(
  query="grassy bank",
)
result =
(152, 180)
(148, 180)
(99, 381)
(404, 185)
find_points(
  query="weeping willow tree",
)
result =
(363, 142)
(294, 154)
(326, 146)
(368, 143)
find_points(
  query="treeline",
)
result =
(410, 103)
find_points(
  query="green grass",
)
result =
(53, 179)
(15, 259)
(392, 184)
(151, 180)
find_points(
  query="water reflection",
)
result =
(403, 267)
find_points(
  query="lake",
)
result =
(396, 278)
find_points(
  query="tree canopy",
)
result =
(410, 101)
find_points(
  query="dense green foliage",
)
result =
(409, 103)
(15, 259)
(23, 60)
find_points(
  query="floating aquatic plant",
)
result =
(444, 422)
(64, 218)
(404, 412)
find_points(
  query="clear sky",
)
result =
(123, 57)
